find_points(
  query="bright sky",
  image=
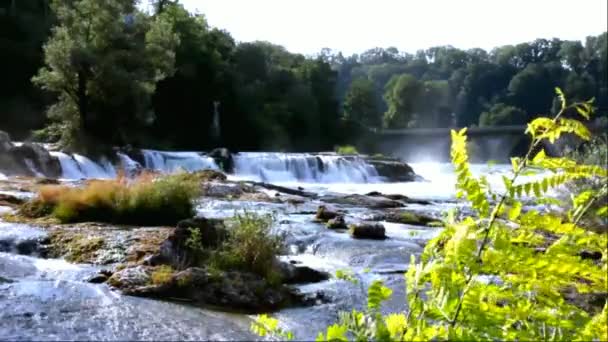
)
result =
(353, 26)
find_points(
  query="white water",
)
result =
(169, 162)
(300, 167)
(69, 166)
(94, 170)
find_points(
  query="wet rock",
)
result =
(10, 200)
(363, 201)
(293, 274)
(5, 280)
(132, 278)
(337, 223)
(222, 190)
(398, 197)
(324, 214)
(298, 192)
(408, 217)
(393, 170)
(39, 158)
(47, 181)
(223, 158)
(239, 291)
(207, 175)
(365, 230)
(98, 278)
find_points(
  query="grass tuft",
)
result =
(145, 200)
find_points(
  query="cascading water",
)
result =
(93, 170)
(69, 166)
(293, 167)
(168, 162)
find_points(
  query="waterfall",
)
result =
(169, 162)
(93, 170)
(69, 166)
(300, 167)
(31, 166)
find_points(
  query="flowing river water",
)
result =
(48, 299)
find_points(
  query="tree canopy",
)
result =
(111, 72)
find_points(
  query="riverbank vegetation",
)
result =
(145, 200)
(110, 73)
(512, 271)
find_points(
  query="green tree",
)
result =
(103, 61)
(360, 104)
(401, 95)
(501, 114)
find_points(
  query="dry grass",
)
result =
(146, 199)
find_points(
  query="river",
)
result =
(48, 299)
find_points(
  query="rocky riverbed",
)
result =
(115, 264)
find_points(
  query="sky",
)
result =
(353, 26)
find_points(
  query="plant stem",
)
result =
(494, 215)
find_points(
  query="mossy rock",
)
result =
(75, 247)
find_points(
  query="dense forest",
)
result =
(110, 72)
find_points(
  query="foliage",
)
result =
(501, 114)
(346, 150)
(103, 60)
(360, 104)
(505, 273)
(161, 275)
(144, 200)
(250, 246)
(115, 63)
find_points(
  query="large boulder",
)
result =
(368, 230)
(337, 223)
(40, 158)
(236, 291)
(223, 158)
(393, 170)
(298, 274)
(28, 159)
(324, 214)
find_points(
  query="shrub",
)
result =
(504, 273)
(346, 150)
(144, 200)
(161, 275)
(250, 246)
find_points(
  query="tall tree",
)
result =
(103, 61)
(360, 104)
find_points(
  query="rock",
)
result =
(47, 181)
(337, 223)
(2, 279)
(222, 190)
(210, 175)
(10, 200)
(293, 274)
(98, 278)
(392, 169)
(374, 231)
(241, 291)
(282, 189)
(40, 159)
(363, 201)
(398, 197)
(324, 214)
(223, 158)
(408, 217)
(132, 278)
(5, 142)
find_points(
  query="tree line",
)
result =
(103, 73)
